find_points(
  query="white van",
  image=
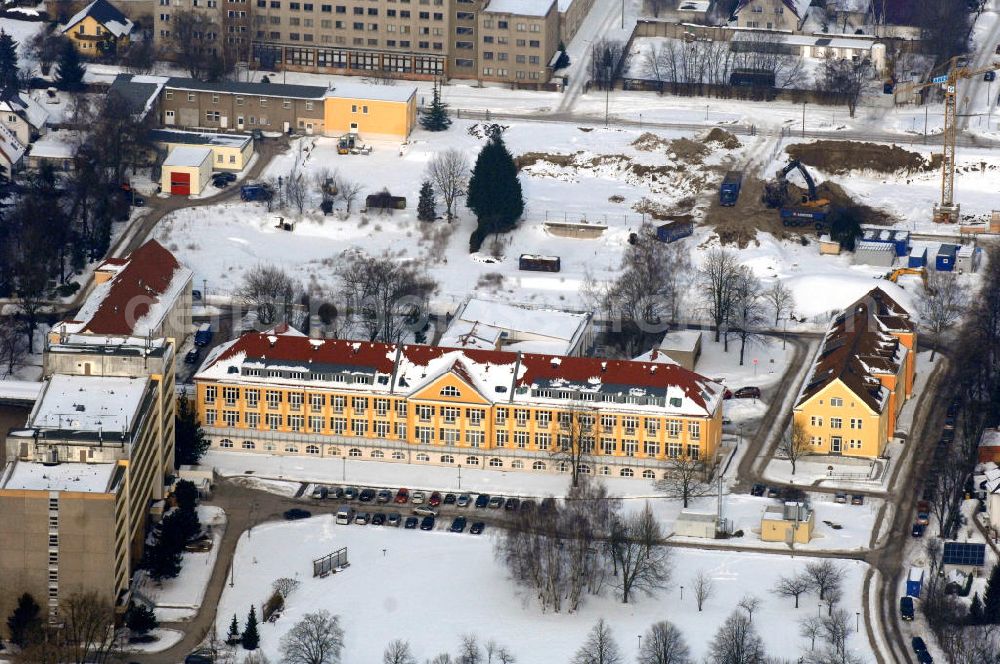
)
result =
(345, 515)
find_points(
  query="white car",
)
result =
(425, 511)
(417, 497)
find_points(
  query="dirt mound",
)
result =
(723, 138)
(648, 142)
(690, 151)
(532, 158)
(840, 157)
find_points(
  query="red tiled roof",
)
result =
(146, 274)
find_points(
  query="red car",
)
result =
(402, 496)
(435, 499)
(728, 394)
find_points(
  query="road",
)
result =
(972, 90)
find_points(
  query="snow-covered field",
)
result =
(431, 588)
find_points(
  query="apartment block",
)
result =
(518, 40)
(282, 393)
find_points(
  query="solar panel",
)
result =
(964, 553)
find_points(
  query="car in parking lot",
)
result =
(924, 518)
(378, 519)
(918, 530)
(424, 510)
(295, 513)
(918, 645)
(840, 497)
(435, 499)
(320, 492)
(906, 608)
(857, 499)
(463, 500)
(482, 500)
(458, 524)
(925, 658)
(383, 496)
(362, 518)
(749, 392)
(449, 499)
(366, 495)
(191, 357)
(336, 492)
(758, 490)
(350, 493)
(477, 528)
(402, 496)
(393, 519)
(427, 523)
(495, 502)
(511, 504)
(411, 522)
(228, 176)
(203, 656)
(527, 505)
(773, 492)
(418, 498)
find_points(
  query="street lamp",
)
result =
(857, 621)
(741, 435)
(640, 643)
(343, 458)
(682, 592)
(459, 477)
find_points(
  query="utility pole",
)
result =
(803, 119)
(926, 108)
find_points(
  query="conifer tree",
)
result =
(140, 619)
(436, 118)
(976, 611)
(494, 191)
(69, 70)
(23, 620)
(8, 62)
(426, 205)
(233, 635)
(251, 638)
(190, 442)
(991, 598)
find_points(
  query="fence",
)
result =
(330, 563)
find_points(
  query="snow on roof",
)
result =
(104, 13)
(195, 138)
(59, 144)
(681, 340)
(20, 390)
(497, 375)
(89, 403)
(188, 155)
(13, 101)
(699, 6)
(250, 89)
(863, 42)
(140, 92)
(564, 5)
(401, 93)
(991, 438)
(519, 7)
(78, 477)
(696, 517)
(483, 323)
(874, 246)
(10, 147)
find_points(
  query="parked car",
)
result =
(393, 519)
(758, 490)
(918, 645)
(840, 497)
(773, 492)
(411, 522)
(202, 656)
(463, 500)
(345, 515)
(511, 504)
(418, 498)
(477, 528)
(295, 513)
(449, 499)
(367, 495)
(427, 523)
(527, 505)
(482, 500)
(906, 608)
(749, 392)
(192, 356)
(138, 201)
(918, 530)
(378, 519)
(336, 492)
(424, 510)
(384, 496)
(727, 394)
(925, 657)
(857, 499)
(350, 493)
(495, 502)
(435, 499)
(924, 518)
(362, 518)
(924, 505)
(402, 496)
(320, 492)
(204, 335)
(219, 182)
(228, 176)
(458, 524)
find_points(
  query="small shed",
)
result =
(918, 258)
(874, 253)
(828, 246)
(915, 581)
(967, 259)
(186, 170)
(989, 446)
(946, 257)
(683, 347)
(791, 523)
(673, 231)
(535, 263)
(694, 524)
(964, 557)
(898, 238)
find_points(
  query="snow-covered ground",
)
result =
(165, 638)
(431, 588)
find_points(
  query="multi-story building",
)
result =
(287, 394)
(772, 14)
(98, 29)
(421, 39)
(860, 379)
(85, 468)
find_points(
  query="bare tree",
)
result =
(703, 587)
(268, 290)
(469, 651)
(642, 562)
(834, 630)
(325, 182)
(398, 652)
(285, 586)
(832, 598)
(579, 429)
(795, 444)
(196, 45)
(749, 603)
(823, 575)
(846, 79)
(88, 627)
(684, 478)
(736, 642)
(781, 299)
(663, 643)
(746, 314)
(656, 6)
(947, 486)
(255, 657)
(316, 639)
(13, 347)
(793, 586)
(716, 283)
(941, 305)
(296, 189)
(449, 172)
(443, 658)
(599, 648)
(810, 627)
(606, 58)
(348, 191)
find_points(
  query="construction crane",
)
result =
(947, 211)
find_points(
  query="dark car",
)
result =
(200, 657)
(319, 492)
(463, 500)
(918, 645)
(350, 493)
(527, 505)
(366, 495)
(906, 608)
(411, 522)
(495, 502)
(138, 201)
(435, 499)
(450, 498)
(857, 499)
(773, 492)
(477, 528)
(224, 175)
(512, 504)
(384, 496)
(220, 182)
(378, 519)
(393, 519)
(749, 392)
(482, 500)
(427, 523)
(192, 356)
(458, 525)
(295, 513)
(925, 658)
(918, 530)
(758, 490)
(402, 496)
(337, 492)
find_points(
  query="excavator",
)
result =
(811, 210)
(894, 275)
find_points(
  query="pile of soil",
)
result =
(840, 157)
(532, 158)
(648, 142)
(690, 151)
(723, 138)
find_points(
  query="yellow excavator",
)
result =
(900, 271)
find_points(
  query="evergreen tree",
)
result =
(494, 190)
(162, 560)
(976, 611)
(186, 496)
(426, 205)
(190, 442)
(24, 620)
(8, 62)
(251, 639)
(140, 619)
(991, 598)
(563, 60)
(233, 635)
(69, 71)
(436, 118)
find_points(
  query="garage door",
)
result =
(180, 183)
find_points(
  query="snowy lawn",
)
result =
(165, 638)
(431, 588)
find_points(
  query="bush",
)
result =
(274, 604)
(66, 290)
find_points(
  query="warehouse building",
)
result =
(230, 152)
(186, 171)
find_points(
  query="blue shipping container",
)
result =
(918, 259)
(945, 261)
(674, 231)
(915, 581)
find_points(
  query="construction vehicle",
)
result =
(811, 209)
(900, 271)
(729, 190)
(947, 211)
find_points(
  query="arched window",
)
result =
(423, 457)
(398, 456)
(377, 454)
(472, 461)
(649, 475)
(225, 443)
(496, 463)
(248, 445)
(447, 458)
(538, 465)
(583, 469)
(291, 449)
(312, 449)
(517, 464)
(450, 391)
(626, 472)
(354, 452)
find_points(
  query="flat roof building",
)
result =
(485, 324)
